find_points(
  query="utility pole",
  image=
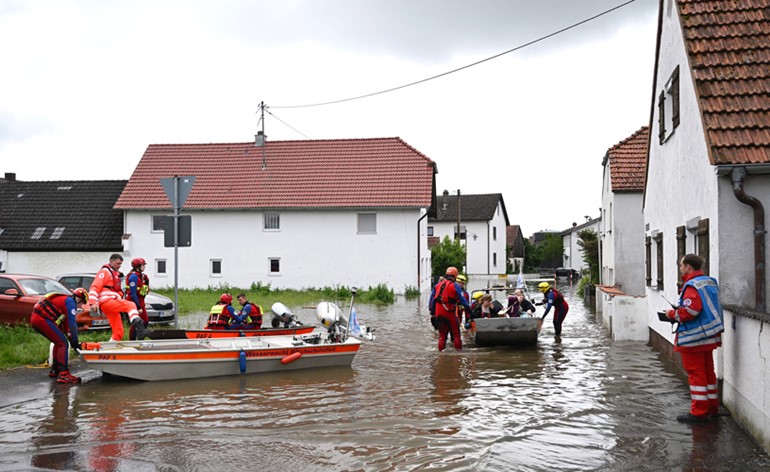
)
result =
(458, 215)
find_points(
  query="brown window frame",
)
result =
(659, 251)
(648, 259)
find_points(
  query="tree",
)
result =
(533, 257)
(445, 254)
(553, 251)
(588, 241)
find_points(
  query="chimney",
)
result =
(574, 224)
(10, 176)
(444, 202)
(259, 139)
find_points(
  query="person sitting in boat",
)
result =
(222, 314)
(488, 308)
(476, 299)
(250, 312)
(513, 310)
(526, 306)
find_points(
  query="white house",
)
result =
(573, 253)
(707, 181)
(482, 220)
(620, 298)
(292, 214)
(622, 243)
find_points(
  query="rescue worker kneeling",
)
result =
(447, 295)
(223, 315)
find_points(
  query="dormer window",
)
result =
(668, 107)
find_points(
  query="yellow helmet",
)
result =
(478, 294)
(462, 278)
(544, 286)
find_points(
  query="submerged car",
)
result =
(160, 309)
(19, 293)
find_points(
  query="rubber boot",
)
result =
(137, 330)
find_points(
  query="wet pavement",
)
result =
(581, 402)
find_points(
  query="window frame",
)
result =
(359, 221)
(270, 271)
(271, 217)
(158, 273)
(211, 268)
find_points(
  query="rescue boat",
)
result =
(158, 334)
(173, 359)
(503, 331)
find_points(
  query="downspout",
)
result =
(419, 245)
(738, 176)
(489, 249)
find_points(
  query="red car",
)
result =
(19, 293)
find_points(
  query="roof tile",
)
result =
(628, 162)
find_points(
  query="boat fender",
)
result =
(90, 346)
(242, 360)
(291, 358)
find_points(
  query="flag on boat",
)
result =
(354, 328)
(520, 281)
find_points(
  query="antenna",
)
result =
(260, 139)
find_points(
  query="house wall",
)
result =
(572, 248)
(53, 264)
(628, 243)
(481, 250)
(315, 248)
(625, 317)
(606, 236)
(681, 183)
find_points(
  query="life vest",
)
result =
(142, 284)
(708, 323)
(558, 298)
(114, 284)
(46, 308)
(255, 317)
(218, 317)
(442, 297)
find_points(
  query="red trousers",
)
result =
(704, 391)
(61, 346)
(112, 309)
(447, 323)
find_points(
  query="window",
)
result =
(274, 264)
(57, 232)
(494, 259)
(216, 267)
(430, 230)
(668, 107)
(158, 223)
(681, 249)
(659, 244)
(272, 222)
(648, 260)
(160, 266)
(494, 233)
(703, 243)
(367, 223)
(462, 232)
(38, 233)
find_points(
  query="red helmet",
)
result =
(80, 292)
(226, 298)
(452, 271)
(138, 262)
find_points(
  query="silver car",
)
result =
(160, 309)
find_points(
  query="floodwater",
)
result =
(579, 403)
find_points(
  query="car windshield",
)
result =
(42, 286)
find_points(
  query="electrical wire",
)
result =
(530, 43)
(286, 124)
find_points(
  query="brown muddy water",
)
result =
(581, 403)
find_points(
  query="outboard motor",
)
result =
(329, 315)
(282, 314)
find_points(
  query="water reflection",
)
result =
(580, 402)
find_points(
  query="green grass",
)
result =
(21, 345)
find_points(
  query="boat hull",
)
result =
(506, 331)
(184, 359)
(225, 333)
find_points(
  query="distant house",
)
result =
(707, 183)
(573, 253)
(483, 221)
(622, 247)
(514, 244)
(53, 227)
(291, 214)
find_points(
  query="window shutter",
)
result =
(703, 243)
(662, 116)
(681, 249)
(675, 97)
(648, 259)
(659, 243)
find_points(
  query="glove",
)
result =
(468, 325)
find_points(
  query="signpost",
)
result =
(177, 190)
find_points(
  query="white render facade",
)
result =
(573, 253)
(622, 240)
(310, 249)
(484, 243)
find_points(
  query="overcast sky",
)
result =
(88, 85)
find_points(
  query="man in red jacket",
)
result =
(448, 294)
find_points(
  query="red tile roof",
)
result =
(381, 172)
(628, 162)
(728, 43)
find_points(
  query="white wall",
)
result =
(572, 248)
(625, 317)
(627, 243)
(53, 264)
(316, 249)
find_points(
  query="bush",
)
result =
(411, 292)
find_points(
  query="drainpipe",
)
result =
(738, 176)
(419, 261)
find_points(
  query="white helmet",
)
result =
(280, 309)
(327, 313)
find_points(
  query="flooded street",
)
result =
(584, 403)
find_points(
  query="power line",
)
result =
(530, 43)
(287, 124)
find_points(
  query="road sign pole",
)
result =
(176, 251)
